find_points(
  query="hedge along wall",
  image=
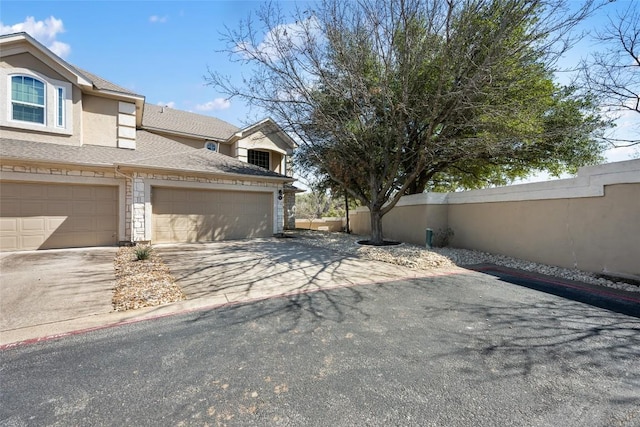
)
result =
(591, 222)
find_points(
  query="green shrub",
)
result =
(143, 252)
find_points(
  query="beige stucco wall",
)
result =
(322, 224)
(260, 140)
(599, 234)
(225, 149)
(72, 136)
(191, 142)
(276, 160)
(591, 222)
(409, 223)
(100, 121)
(28, 61)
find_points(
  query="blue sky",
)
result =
(161, 49)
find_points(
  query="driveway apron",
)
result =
(60, 292)
(43, 287)
(260, 268)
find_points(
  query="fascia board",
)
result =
(69, 72)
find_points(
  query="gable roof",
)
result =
(105, 85)
(178, 122)
(16, 43)
(153, 151)
(268, 126)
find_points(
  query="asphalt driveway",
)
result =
(461, 350)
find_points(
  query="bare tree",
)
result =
(613, 74)
(380, 93)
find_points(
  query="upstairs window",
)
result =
(28, 99)
(259, 158)
(211, 146)
(35, 101)
(60, 107)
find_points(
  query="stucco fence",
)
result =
(591, 222)
(322, 224)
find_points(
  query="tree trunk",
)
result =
(346, 208)
(376, 226)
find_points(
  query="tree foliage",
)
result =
(389, 97)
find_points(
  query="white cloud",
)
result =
(216, 104)
(44, 31)
(61, 49)
(158, 19)
(169, 104)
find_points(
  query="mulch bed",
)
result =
(142, 283)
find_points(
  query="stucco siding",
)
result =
(28, 61)
(100, 121)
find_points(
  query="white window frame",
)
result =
(215, 144)
(60, 107)
(51, 107)
(29, 104)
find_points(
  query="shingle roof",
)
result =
(103, 84)
(193, 159)
(153, 151)
(163, 118)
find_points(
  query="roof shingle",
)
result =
(163, 118)
(153, 151)
(103, 84)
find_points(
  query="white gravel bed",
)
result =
(413, 256)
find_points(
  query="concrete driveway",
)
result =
(45, 287)
(58, 292)
(253, 269)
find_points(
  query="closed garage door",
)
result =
(47, 216)
(187, 215)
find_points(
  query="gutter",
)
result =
(223, 175)
(152, 129)
(58, 162)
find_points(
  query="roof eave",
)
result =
(242, 133)
(153, 129)
(130, 166)
(57, 162)
(80, 79)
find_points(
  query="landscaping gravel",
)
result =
(414, 256)
(142, 283)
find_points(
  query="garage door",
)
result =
(46, 216)
(186, 215)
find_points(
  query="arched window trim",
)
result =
(58, 103)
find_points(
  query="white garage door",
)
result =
(47, 216)
(187, 215)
